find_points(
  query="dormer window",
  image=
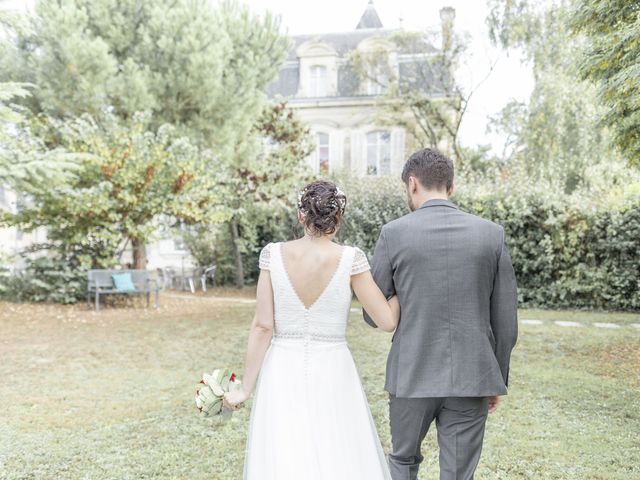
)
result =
(318, 69)
(379, 65)
(318, 81)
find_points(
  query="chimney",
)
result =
(447, 16)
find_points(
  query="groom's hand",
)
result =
(493, 403)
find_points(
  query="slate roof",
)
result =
(286, 85)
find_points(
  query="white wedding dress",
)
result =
(310, 419)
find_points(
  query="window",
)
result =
(323, 153)
(318, 81)
(378, 153)
(377, 80)
(179, 244)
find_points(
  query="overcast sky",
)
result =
(509, 80)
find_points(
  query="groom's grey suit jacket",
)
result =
(457, 290)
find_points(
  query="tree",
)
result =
(612, 60)
(556, 136)
(267, 169)
(24, 160)
(131, 178)
(198, 68)
(427, 100)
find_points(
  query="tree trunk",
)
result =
(139, 254)
(235, 243)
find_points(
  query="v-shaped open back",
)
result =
(325, 318)
(295, 291)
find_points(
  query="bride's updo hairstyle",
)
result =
(322, 204)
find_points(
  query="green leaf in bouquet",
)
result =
(214, 407)
(207, 393)
(217, 390)
(223, 379)
(207, 405)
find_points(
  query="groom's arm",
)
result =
(382, 272)
(504, 309)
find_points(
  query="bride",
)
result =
(310, 418)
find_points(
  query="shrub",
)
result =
(45, 279)
(568, 251)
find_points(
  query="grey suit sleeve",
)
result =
(504, 309)
(382, 272)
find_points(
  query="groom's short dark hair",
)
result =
(433, 169)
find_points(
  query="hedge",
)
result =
(568, 252)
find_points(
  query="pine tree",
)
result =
(612, 60)
(24, 160)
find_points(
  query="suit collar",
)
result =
(439, 202)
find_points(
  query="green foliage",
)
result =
(257, 228)
(45, 279)
(568, 251)
(261, 177)
(131, 178)
(197, 72)
(612, 60)
(371, 202)
(557, 135)
(24, 159)
(10, 112)
(196, 67)
(518, 24)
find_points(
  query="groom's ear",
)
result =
(412, 186)
(450, 191)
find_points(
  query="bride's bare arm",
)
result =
(260, 335)
(385, 313)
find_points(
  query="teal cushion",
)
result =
(123, 282)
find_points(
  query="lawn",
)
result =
(110, 395)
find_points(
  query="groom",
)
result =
(449, 358)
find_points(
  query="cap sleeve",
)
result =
(360, 262)
(265, 257)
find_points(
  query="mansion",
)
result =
(318, 80)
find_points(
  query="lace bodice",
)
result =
(324, 320)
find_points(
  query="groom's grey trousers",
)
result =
(460, 424)
(451, 350)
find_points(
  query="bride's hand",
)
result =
(233, 400)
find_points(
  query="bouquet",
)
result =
(210, 391)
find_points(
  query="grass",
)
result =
(110, 395)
